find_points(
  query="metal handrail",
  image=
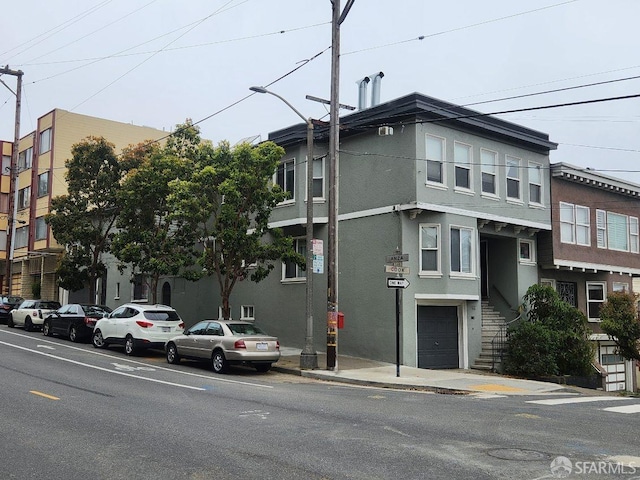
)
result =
(498, 343)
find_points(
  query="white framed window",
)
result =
(526, 251)
(617, 232)
(41, 229)
(462, 251)
(24, 197)
(567, 222)
(43, 184)
(25, 159)
(535, 183)
(633, 234)
(462, 158)
(220, 315)
(290, 270)
(247, 312)
(548, 282)
(488, 160)
(429, 249)
(286, 178)
(596, 296)
(6, 165)
(583, 225)
(45, 141)
(22, 237)
(318, 179)
(140, 289)
(620, 287)
(435, 159)
(601, 228)
(513, 177)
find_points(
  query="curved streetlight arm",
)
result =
(264, 90)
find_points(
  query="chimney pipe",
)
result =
(375, 91)
(362, 92)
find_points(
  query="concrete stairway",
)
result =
(491, 323)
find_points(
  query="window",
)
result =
(24, 197)
(526, 251)
(3, 239)
(513, 177)
(461, 250)
(140, 288)
(6, 164)
(488, 164)
(462, 159)
(318, 178)
(617, 232)
(45, 141)
(247, 312)
(567, 223)
(633, 234)
(220, 315)
(4, 202)
(285, 177)
(583, 225)
(568, 292)
(290, 270)
(596, 296)
(435, 159)
(620, 287)
(117, 296)
(22, 237)
(535, 183)
(429, 248)
(25, 159)
(43, 184)
(41, 229)
(601, 228)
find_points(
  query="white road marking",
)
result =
(487, 395)
(129, 368)
(562, 401)
(45, 346)
(625, 409)
(101, 368)
(255, 413)
(102, 354)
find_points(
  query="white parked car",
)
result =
(137, 327)
(30, 314)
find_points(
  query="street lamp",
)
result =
(308, 357)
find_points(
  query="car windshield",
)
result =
(244, 329)
(11, 299)
(49, 305)
(166, 315)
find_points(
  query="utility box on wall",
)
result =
(340, 320)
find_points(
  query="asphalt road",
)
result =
(70, 411)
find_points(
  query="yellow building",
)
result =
(32, 251)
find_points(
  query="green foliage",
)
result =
(83, 219)
(149, 237)
(228, 202)
(36, 288)
(554, 340)
(620, 320)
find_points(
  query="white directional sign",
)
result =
(397, 283)
(397, 270)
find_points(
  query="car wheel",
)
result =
(46, 329)
(28, 326)
(172, 354)
(262, 367)
(129, 345)
(219, 362)
(73, 333)
(98, 340)
(10, 323)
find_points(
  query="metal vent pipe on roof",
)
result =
(362, 92)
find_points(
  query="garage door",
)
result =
(614, 365)
(437, 337)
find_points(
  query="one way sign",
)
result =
(397, 283)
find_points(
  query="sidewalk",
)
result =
(361, 371)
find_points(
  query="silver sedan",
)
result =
(225, 343)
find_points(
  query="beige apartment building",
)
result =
(28, 252)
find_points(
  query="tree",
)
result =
(553, 340)
(619, 315)
(149, 237)
(228, 202)
(83, 219)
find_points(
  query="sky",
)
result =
(158, 62)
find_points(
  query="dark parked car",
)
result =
(75, 320)
(8, 303)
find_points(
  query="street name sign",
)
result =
(396, 269)
(398, 257)
(397, 283)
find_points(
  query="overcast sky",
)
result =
(158, 62)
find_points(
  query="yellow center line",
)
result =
(50, 397)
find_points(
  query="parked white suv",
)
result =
(137, 327)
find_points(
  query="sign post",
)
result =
(398, 283)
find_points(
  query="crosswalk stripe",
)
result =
(624, 409)
(562, 401)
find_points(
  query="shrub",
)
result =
(620, 320)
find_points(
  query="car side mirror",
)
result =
(186, 332)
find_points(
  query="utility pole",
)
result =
(334, 140)
(13, 174)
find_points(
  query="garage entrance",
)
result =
(438, 337)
